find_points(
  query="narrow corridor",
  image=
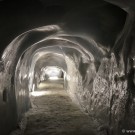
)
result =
(53, 113)
(67, 67)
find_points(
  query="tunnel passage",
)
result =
(60, 55)
(51, 72)
(95, 51)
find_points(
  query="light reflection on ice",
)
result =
(40, 93)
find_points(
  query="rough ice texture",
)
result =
(107, 98)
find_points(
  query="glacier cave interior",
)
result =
(67, 67)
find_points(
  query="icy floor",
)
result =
(53, 113)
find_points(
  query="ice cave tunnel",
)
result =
(67, 67)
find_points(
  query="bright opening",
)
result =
(51, 73)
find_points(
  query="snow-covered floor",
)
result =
(54, 113)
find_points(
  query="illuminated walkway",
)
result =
(54, 113)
